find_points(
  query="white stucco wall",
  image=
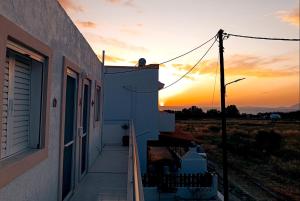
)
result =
(113, 132)
(123, 100)
(48, 22)
(166, 122)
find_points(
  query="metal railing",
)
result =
(135, 190)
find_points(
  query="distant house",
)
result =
(275, 117)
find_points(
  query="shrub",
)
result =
(214, 129)
(268, 141)
(239, 144)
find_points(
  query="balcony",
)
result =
(115, 175)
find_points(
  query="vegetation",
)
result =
(267, 151)
(232, 111)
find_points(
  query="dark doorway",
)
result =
(69, 135)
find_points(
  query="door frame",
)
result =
(67, 64)
(85, 80)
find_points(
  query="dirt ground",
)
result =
(255, 173)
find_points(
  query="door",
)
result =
(69, 148)
(84, 135)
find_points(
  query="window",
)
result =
(21, 100)
(25, 81)
(97, 103)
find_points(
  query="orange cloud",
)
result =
(291, 17)
(114, 59)
(247, 65)
(122, 2)
(134, 62)
(86, 24)
(70, 5)
(185, 67)
(112, 42)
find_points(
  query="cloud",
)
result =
(70, 5)
(130, 31)
(185, 67)
(247, 65)
(189, 77)
(112, 42)
(135, 62)
(86, 24)
(114, 59)
(291, 17)
(129, 3)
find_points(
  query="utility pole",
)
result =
(223, 113)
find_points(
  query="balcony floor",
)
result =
(107, 178)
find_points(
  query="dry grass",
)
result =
(279, 171)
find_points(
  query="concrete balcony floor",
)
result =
(107, 178)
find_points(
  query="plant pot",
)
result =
(125, 140)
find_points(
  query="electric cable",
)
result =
(261, 38)
(176, 81)
(213, 96)
(186, 53)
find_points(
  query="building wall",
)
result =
(114, 132)
(48, 22)
(166, 122)
(123, 100)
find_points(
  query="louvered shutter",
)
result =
(15, 106)
(4, 110)
(21, 106)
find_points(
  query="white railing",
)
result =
(135, 190)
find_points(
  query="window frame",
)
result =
(16, 165)
(97, 122)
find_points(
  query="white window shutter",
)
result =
(15, 106)
(21, 106)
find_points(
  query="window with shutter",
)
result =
(21, 103)
(25, 92)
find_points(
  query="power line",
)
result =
(188, 52)
(192, 67)
(261, 38)
(173, 83)
(213, 96)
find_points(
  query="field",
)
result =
(263, 156)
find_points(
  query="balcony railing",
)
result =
(135, 190)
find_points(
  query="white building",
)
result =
(131, 93)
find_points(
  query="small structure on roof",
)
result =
(194, 161)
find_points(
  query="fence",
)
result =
(172, 181)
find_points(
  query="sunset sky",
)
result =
(161, 29)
